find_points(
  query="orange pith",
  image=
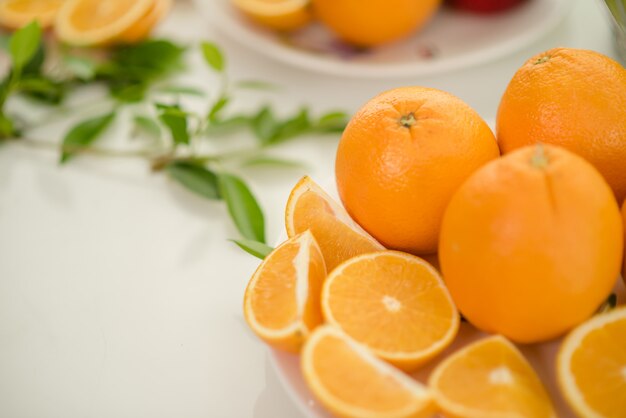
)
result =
(339, 237)
(394, 303)
(281, 302)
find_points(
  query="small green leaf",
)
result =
(83, 134)
(148, 126)
(195, 178)
(81, 67)
(268, 161)
(182, 90)
(213, 56)
(256, 85)
(224, 126)
(42, 89)
(176, 122)
(242, 207)
(7, 127)
(264, 125)
(291, 128)
(23, 45)
(255, 248)
(332, 122)
(219, 105)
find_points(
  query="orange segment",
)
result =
(489, 379)
(284, 15)
(96, 22)
(144, 26)
(352, 382)
(592, 366)
(394, 303)
(339, 237)
(16, 13)
(281, 302)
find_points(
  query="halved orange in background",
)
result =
(339, 237)
(282, 300)
(352, 382)
(97, 22)
(489, 379)
(284, 15)
(144, 26)
(17, 13)
(394, 303)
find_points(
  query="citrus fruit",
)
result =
(573, 98)
(394, 303)
(339, 237)
(374, 22)
(531, 244)
(624, 225)
(142, 28)
(489, 378)
(401, 158)
(591, 366)
(16, 13)
(96, 22)
(352, 382)
(281, 303)
(283, 15)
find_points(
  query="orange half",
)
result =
(283, 15)
(17, 13)
(142, 29)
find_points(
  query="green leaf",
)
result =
(217, 107)
(24, 44)
(83, 134)
(195, 178)
(42, 89)
(256, 85)
(332, 122)
(291, 128)
(148, 126)
(81, 67)
(268, 161)
(4, 41)
(264, 125)
(213, 56)
(176, 122)
(255, 248)
(7, 127)
(224, 126)
(182, 90)
(242, 207)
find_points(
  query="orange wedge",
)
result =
(339, 237)
(352, 382)
(395, 304)
(283, 15)
(141, 30)
(281, 303)
(16, 13)
(97, 22)
(490, 379)
(591, 366)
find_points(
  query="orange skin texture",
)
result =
(374, 22)
(575, 99)
(529, 252)
(396, 181)
(624, 224)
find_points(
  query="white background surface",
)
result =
(119, 294)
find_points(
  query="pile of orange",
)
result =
(362, 23)
(88, 22)
(530, 246)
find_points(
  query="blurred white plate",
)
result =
(452, 40)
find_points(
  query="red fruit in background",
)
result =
(484, 6)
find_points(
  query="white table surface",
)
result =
(119, 293)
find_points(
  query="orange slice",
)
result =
(281, 303)
(97, 22)
(394, 303)
(339, 237)
(283, 15)
(16, 13)
(591, 366)
(490, 379)
(352, 382)
(141, 30)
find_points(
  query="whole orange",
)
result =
(374, 22)
(401, 158)
(531, 244)
(624, 225)
(573, 98)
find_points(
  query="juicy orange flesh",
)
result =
(492, 377)
(395, 294)
(274, 301)
(90, 15)
(34, 6)
(312, 315)
(337, 240)
(353, 380)
(599, 369)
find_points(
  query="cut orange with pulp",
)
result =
(591, 366)
(16, 13)
(145, 24)
(394, 303)
(284, 15)
(489, 379)
(97, 22)
(281, 303)
(339, 237)
(352, 382)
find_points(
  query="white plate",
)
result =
(452, 40)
